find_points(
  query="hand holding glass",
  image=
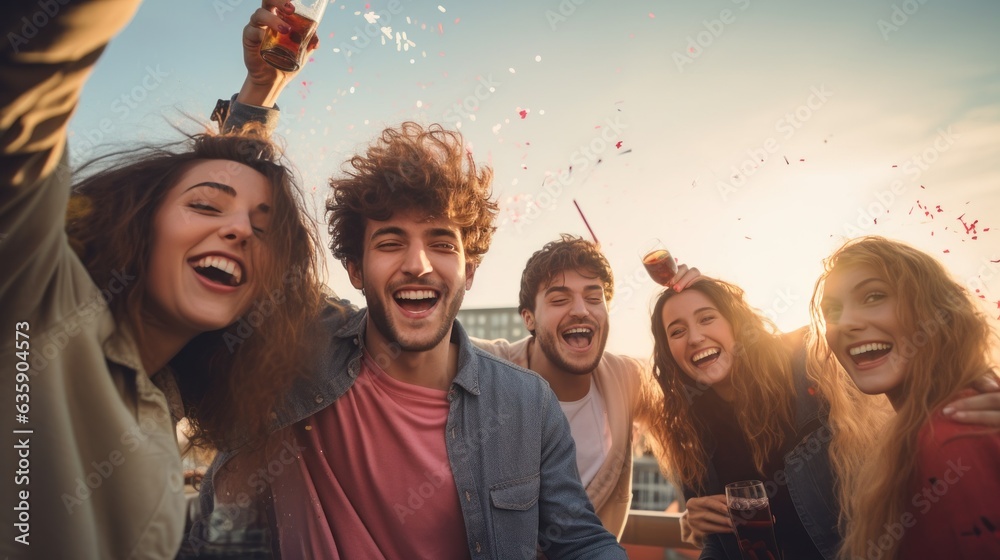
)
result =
(286, 51)
(659, 263)
(751, 515)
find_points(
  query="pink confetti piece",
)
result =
(618, 144)
(947, 250)
(523, 113)
(652, 15)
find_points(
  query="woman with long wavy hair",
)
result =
(196, 253)
(738, 406)
(901, 327)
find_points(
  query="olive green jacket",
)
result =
(95, 470)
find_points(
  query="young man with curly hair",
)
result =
(408, 442)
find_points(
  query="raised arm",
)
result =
(40, 82)
(257, 98)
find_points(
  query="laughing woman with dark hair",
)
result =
(738, 406)
(198, 249)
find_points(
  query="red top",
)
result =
(955, 505)
(374, 480)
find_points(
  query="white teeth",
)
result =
(228, 266)
(870, 347)
(416, 294)
(578, 330)
(704, 354)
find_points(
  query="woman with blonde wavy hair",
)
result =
(738, 406)
(900, 326)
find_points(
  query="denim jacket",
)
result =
(508, 442)
(807, 473)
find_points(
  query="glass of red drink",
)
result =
(751, 514)
(286, 51)
(659, 263)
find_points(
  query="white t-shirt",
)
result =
(588, 423)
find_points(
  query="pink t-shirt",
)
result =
(374, 480)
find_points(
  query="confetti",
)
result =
(618, 144)
(441, 8)
(523, 113)
(538, 58)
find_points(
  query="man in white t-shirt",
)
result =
(565, 291)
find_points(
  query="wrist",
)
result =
(260, 95)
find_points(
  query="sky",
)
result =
(751, 137)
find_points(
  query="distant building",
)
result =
(650, 491)
(498, 322)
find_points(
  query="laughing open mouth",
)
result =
(578, 337)
(869, 352)
(705, 356)
(416, 301)
(219, 269)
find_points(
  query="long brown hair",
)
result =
(947, 348)
(230, 379)
(761, 374)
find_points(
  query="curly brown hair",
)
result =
(230, 379)
(412, 168)
(556, 257)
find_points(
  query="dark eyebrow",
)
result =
(442, 232)
(388, 230)
(395, 230)
(565, 290)
(696, 312)
(560, 289)
(228, 190)
(217, 186)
